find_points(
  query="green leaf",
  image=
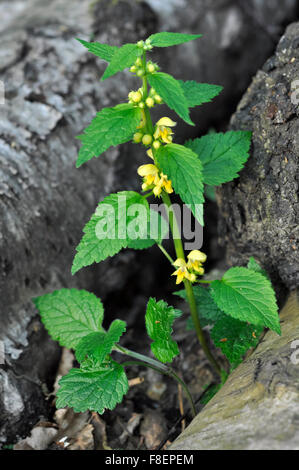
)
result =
(123, 58)
(160, 228)
(89, 345)
(94, 390)
(98, 345)
(70, 314)
(159, 319)
(208, 311)
(184, 169)
(166, 39)
(222, 155)
(104, 51)
(247, 296)
(110, 127)
(253, 265)
(171, 91)
(199, 93)
(235, 338)
(114, 226)
(141, 244)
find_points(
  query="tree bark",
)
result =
(259, 212)
(257, 408)
(52, 92)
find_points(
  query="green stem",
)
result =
(188, 286)
(148, 120)
(159, 367)
(198, 329)
(148, 194)
(178, 245)
(148, 360)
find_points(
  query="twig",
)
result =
(178, 422)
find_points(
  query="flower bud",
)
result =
(158, 99)
(150, 68)
(138, 62)
(133, 69)
(140, 73)
(141, 104)
(140, 44)
(147, 139)
(150, 102)
(137, 137)
(156, 144)
(136, 97)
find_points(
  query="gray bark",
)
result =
(260, 210)
(52, 91)
(257, 408)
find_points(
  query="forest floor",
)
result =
(153, 413)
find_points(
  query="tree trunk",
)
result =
(257, 408)
(260, 210)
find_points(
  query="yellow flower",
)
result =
(168, 186)
(195, 260)
(163, 130)
(150, 174)
(152, 179)
(163, 183)
(182, 271)
(197, 255)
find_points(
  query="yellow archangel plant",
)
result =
(236, 307)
